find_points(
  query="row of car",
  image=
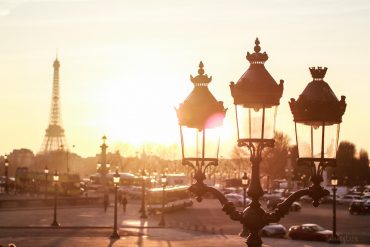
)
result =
(311, 232)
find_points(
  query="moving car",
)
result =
(309, 232)
(274, 230)
(347, 199)
(359, 207)
(237, 199)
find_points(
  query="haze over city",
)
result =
(125, 65)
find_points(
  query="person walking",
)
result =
(124, 203)
(106, 201)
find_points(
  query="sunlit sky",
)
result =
(125, 65)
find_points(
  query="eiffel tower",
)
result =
(54, 136)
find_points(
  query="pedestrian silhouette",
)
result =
(106, 201)
(124, 203)
(119, 197)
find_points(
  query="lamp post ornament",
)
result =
(116, 182)
(334, 239)
(164, 183)
(55, 180)
(143, 190)
(256, 97)
(46, 171)
(245, 181)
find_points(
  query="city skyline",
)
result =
(125, 66)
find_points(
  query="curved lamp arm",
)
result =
(283, 208)
(315, 192)
(200, 189)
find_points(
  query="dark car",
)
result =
(273, 230)
(359, 207)
(309, 232)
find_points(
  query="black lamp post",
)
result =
(256, 96)
(164, 183)
(6, 163)
(288, 170)
(334, 239)
(46, 172)
(245, 181)
(143, 189)
(116, 181)
(55, 180)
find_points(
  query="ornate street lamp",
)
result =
(46, 172)
(317, 115)
(256, 96)
(334, 182)
(199, 118)
(164, 183)
(55, 180)
(116, 182)
(143, 189)
(6, 163)
(245, 181)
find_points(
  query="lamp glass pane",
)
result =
(310, 140)
(251, 125)
(193, 142)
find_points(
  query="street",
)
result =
(205, 218)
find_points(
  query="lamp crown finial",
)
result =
(257, 57)
(201, 79)
(257, 47)
(318, 73)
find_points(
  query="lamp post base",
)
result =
(162, 222)
(115, 235)
(55, 224)
(334, 240)
(143, 215)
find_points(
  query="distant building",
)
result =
(21, 157)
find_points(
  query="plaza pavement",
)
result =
(151, 237)
(21, 228)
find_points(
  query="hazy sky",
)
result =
(125, 65)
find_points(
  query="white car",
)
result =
(274, 230)
(237, 199)
(347, 199)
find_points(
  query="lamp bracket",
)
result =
(316, 192)
(199, 165)
(200, 189)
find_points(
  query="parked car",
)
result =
(366, 196)
(347, 199)
(309, 232)
(274, 230)
(237, 199)
(359, 207)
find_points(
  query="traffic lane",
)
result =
(210, 214)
